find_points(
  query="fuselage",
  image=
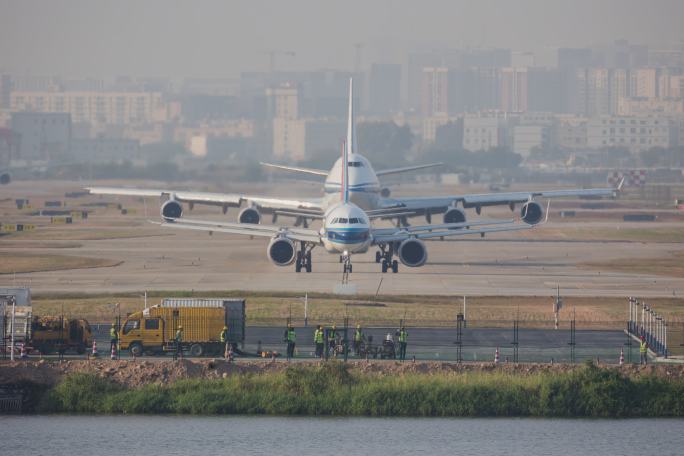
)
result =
(364, 186)
(346, 229)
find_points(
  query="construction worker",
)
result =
(223, 337)
(290, 338)
(179, 341)
(113, 337)
(332, 338)
(318, 341)
(403, 335)
(358, 340)
(643, 350)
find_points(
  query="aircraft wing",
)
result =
(440, 227)
(401, 234)
(295, 234)
(491, 199)
(215, 199)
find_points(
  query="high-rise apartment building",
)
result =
(385, 88)
(435, 92)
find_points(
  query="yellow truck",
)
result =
(153, 330)
(57, 334)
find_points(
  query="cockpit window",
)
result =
(342, 220)
(353, 220)
(334, 220)
(355, 164)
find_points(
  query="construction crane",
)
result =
(272, 57)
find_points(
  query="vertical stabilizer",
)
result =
(352, 146)
(345, 173)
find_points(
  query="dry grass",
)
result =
(672, 265)
(271, 309)
(20, 262)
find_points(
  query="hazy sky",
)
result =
(222, 37)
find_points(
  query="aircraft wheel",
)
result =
(378, 257)
(384, 266)
(395, 266)
(308, 266)
(298, 267)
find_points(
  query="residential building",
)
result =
(118, 108)
(635, 133)
(42, 136)
(385, 88)
(513, 89)
(435, 92)
(484, 131)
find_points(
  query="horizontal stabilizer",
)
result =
(297, 169)
(406, 169)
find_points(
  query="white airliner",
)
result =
(346, 230)
(364, 192)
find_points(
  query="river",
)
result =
(282, 436)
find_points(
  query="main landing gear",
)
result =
(303, 259)
(384, 256)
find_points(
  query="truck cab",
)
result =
(139, 332)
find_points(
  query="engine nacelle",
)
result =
(5, 178)
(532, 212)
(249, 215)
(281, 251)
(385, 192)
(171, 209)
(454, 215)
(412, 253)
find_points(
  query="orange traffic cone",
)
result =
(113, 356)
(622, 356)
(94, 352)
(496, 356)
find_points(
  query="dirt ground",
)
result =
(142, 372)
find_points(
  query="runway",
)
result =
(154, 258)
(494, 266)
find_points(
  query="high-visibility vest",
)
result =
(224, 335)
(318, 336)
(179, 335)
(291, 335)
(402, 336)
(331, 334)
(112, 333)
(643, 347)
(358, 335)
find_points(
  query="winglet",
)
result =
(351, 124)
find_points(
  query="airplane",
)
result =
(365, 191)
(346, 230)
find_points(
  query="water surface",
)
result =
(284, 436)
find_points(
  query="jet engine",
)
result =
(5, 178)
(412, 253)
(249, 215)
(385, 192)
(171, 209)
(281, 251)
(454, 215)
(531, 212)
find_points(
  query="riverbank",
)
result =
(353, 389)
